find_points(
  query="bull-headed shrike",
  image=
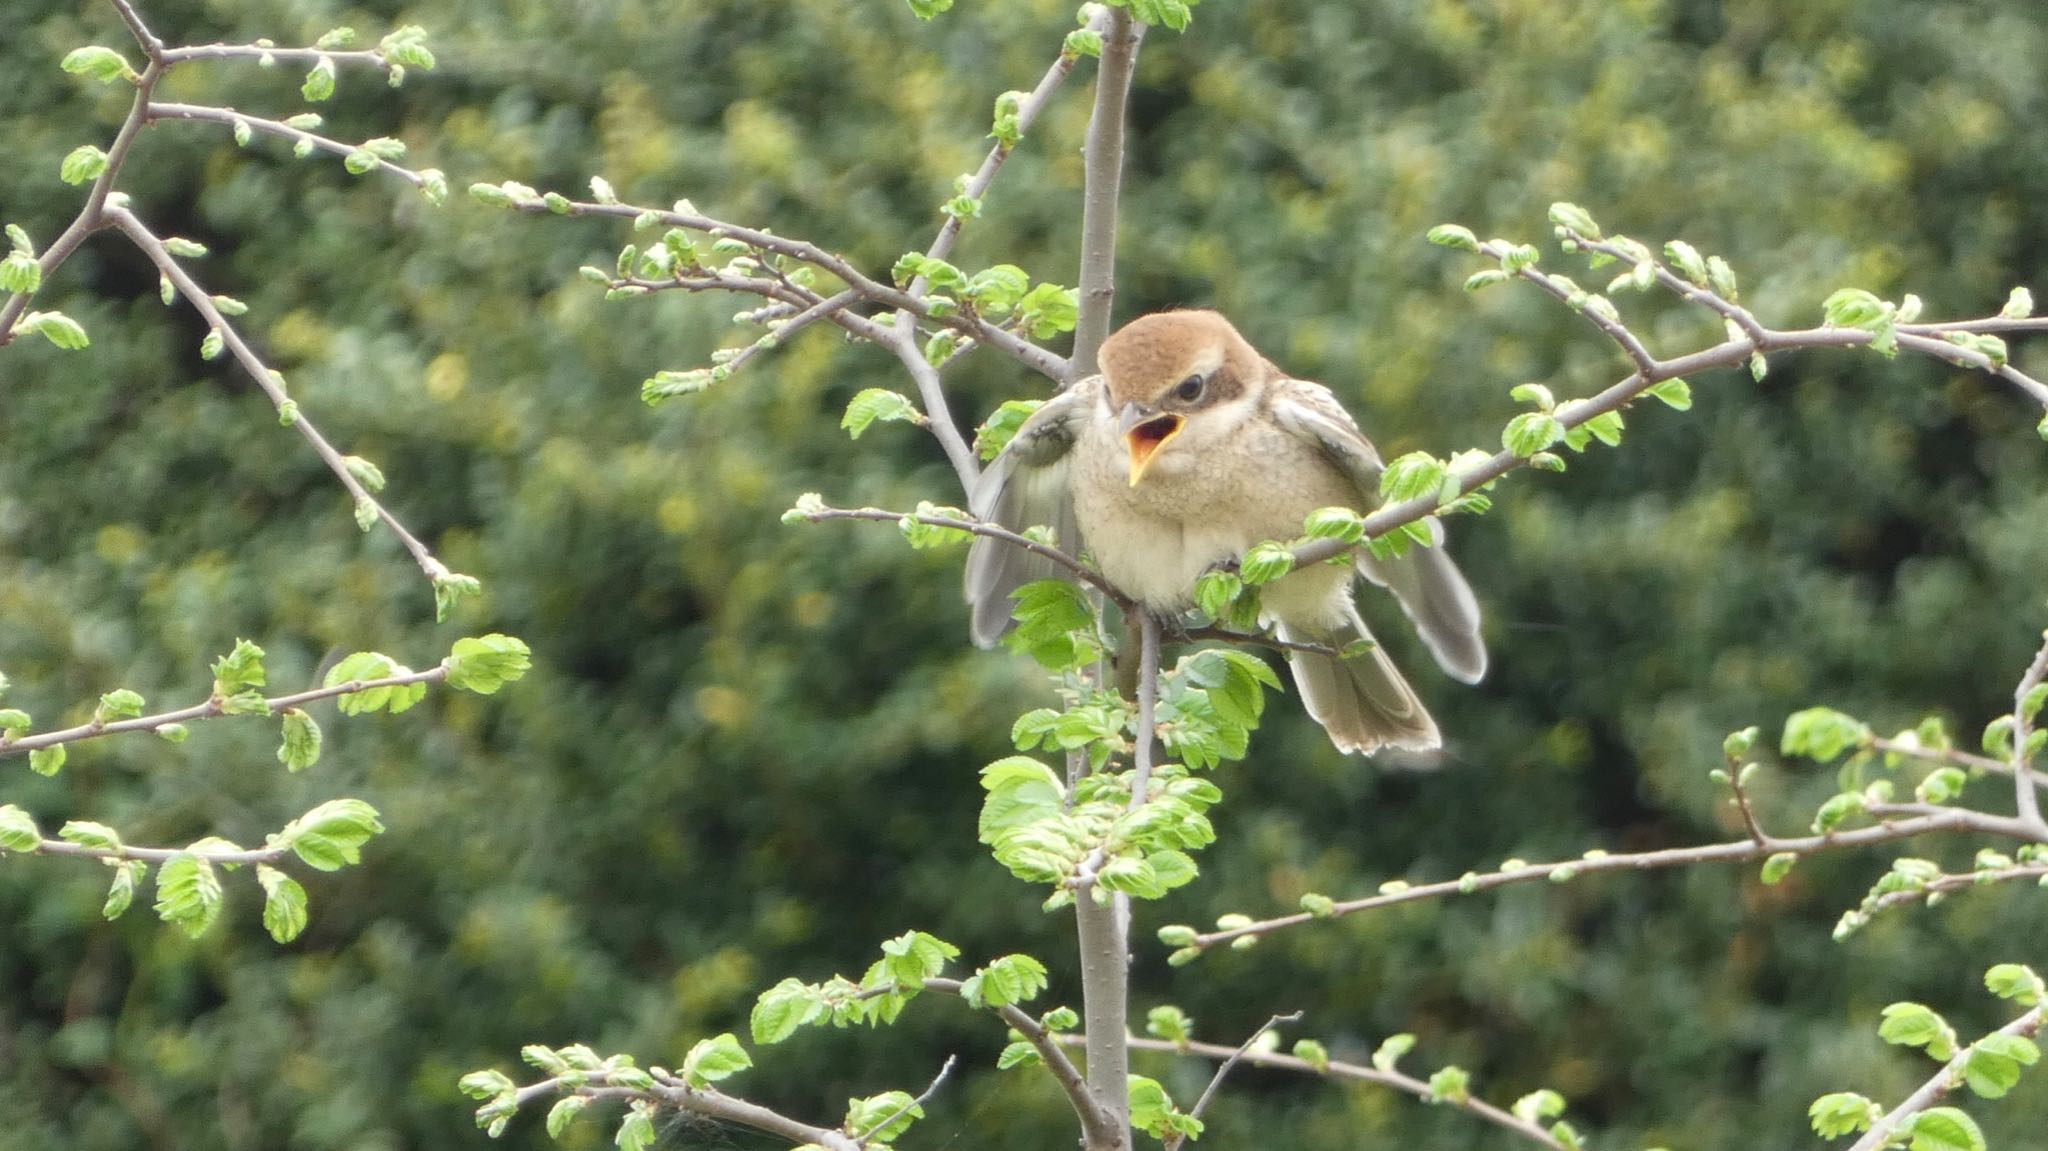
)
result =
(1185, 451)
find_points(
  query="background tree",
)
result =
(1849, 531)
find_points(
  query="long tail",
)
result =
(1362, 702)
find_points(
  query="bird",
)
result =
(1185, 450)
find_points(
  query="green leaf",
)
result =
(331, 836)
(1083, 42)
(636, 1130)
(1994, 1063)
(926, 9)
(407, 46)
(1944, 1129)
(1915, 1025)
(713, 1059)
(1573, 218)
(97, 836)
(359, 161)
(128, 875)
(1001, 427)
(319, 83)
(1942, 785)
(1314, 1054)
(58, 328)
(878, 404)
(1151, 1107)
(19, 272)
(1536, 394)
(1539, 1105)
(1048, 310)
(1485, 278)
(284, 903)
(1454, 236)
(878, 1119)
(2017, 982)
(486, 663)
(1450, 1085)
(18, 832)
(1011, 979)
(1675, 393)
(1169, 1023)
(239, 670)
(301, 747)
(212, 346)
(995, 292)
(1265, 563)
(1391, 1050)
(782, 1009)
(47, 760)
(118, 704)
(1778, 866)
(1842, 1113)
(1531, 432)
(102, 64)
(563, 1113)
(188, 893)
(368, 666)
(14, 721)
(1822, 733)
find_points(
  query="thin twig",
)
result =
(703, 1101)
(1337, 1069)
(198, 113)
(1174, 1141)
(213, 708)
(913, 1105)
(267, 380)
(1080, 570)
(1940, 819)
(1094, 1120)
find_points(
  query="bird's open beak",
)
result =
(1144, 435)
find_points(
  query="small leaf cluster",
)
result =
(1090, 835)
(1002, 293)
(1989, 1068)
(879, 995)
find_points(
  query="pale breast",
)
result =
(1195, 508)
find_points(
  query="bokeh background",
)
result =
(749, 750)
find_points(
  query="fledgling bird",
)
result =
(1187, 449)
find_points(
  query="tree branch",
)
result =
(1080, 570)
(1174, 1141)
(1337, 1069)
(198, 113)
(2022, 733)
(1921, 823)
(1097, 1124)
(1940, 1084)
(1102, 189)
(671, 1092)
(271, 383)
(213, 708)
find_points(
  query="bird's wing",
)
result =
(1427, 581)
(1025, 487)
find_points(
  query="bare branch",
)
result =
(870, 289)
(1148, 699)
(939, 415)
(213, 708)
(1080, 570)
(2022, 734)
(1337, 1069)
(1174, 1141)
(1102, 189)
(270, 382)
(1940, 1084)
(198, 113)
(915, 1104)
(1096, 1122)
(1921, 822)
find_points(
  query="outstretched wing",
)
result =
(1025, 487)
(1426, 581)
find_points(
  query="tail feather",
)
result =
(1362, 702)
(1436, 597)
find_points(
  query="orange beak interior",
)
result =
(1146, 439)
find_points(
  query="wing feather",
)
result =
(1026, 486)
(1426, 581)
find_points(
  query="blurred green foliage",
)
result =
(749, 750)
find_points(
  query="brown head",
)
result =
(1165, 369)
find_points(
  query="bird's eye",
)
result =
(1190, 389)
